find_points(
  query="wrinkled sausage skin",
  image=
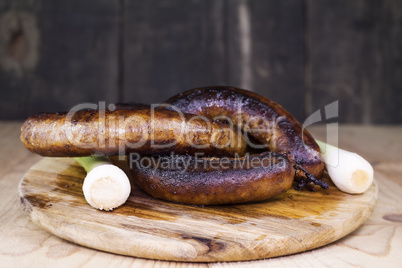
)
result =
(128, 129)
(269, 122)
(260, 118)
(202, 182)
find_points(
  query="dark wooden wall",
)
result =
(303, 54)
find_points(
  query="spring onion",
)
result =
(106, 186)
(350, 172)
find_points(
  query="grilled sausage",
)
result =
(139, 129)
(213, 181)
(262, 120)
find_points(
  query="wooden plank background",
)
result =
(304, 54)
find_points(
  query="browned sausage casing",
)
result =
(262, 120)
(214, 182)
(124, 130)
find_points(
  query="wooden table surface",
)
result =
(378, 243)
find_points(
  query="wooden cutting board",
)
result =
(52, 197)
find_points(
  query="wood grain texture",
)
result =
(355, 57)
(51, 195)
(265, 47)
(56, 55)
(303, 54)
(376, 243)
(179, 45)
(171, 46)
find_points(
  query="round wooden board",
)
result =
(51, 194)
